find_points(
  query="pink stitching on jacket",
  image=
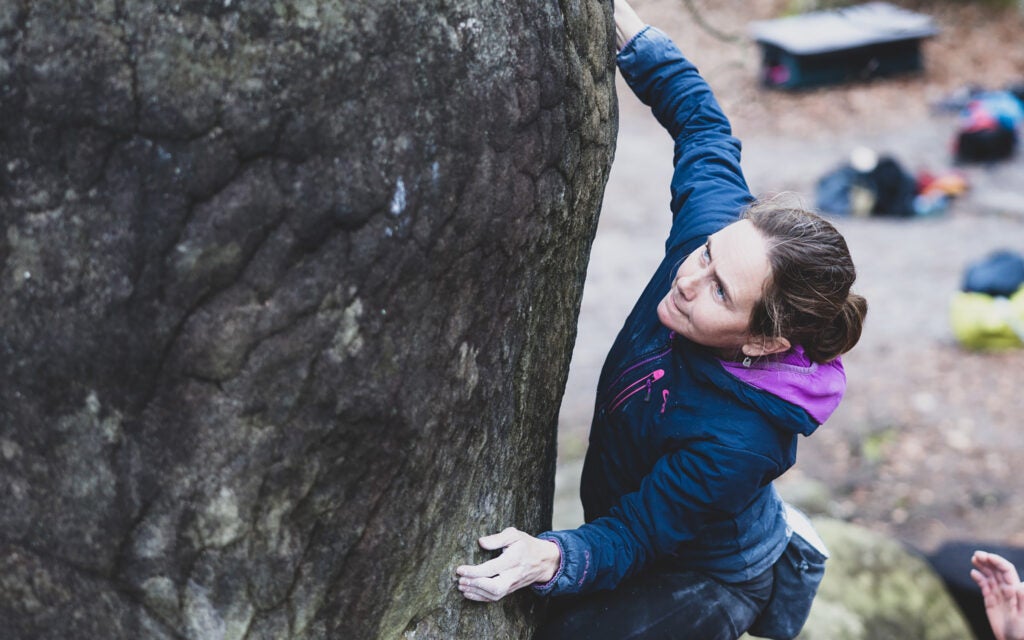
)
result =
(586, 567)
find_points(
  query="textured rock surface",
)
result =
(288, 293)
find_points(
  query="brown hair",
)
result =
(807, 299)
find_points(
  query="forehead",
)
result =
(740, 254)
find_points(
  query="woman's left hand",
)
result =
(524, 560)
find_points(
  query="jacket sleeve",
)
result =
(685, 490)
(708, 187)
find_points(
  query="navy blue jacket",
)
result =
(682, 453)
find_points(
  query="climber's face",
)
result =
(715, 289)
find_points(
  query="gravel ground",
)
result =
(926, 442)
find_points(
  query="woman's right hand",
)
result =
(524, 561)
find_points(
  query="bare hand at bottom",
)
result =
(524, 560)
(1003, 593)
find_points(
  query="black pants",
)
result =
(660, 604)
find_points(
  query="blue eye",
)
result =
(706, 254)
(719, 291)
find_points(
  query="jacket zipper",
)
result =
(642, 362)
(643, 384)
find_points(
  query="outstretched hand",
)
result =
(1003, 593)
(524, 560)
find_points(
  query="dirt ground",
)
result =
(926, 444)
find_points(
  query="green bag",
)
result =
(981, 321)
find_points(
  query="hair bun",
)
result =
(840, 335)
(807, 299)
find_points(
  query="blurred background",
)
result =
(927, 444)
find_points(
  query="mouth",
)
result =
(673, 297)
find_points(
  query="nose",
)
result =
(687, 286)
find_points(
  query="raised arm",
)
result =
(708, 187)
(627, 23)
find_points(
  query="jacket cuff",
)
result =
(574, 569)
(629, 43)
(545, 589)
(634, 58)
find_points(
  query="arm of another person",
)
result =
(708, 188)
(1003, 593)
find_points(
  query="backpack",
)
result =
(988, 127)
(988, 313)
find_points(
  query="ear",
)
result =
(762, 346)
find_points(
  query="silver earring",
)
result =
(747, 361)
